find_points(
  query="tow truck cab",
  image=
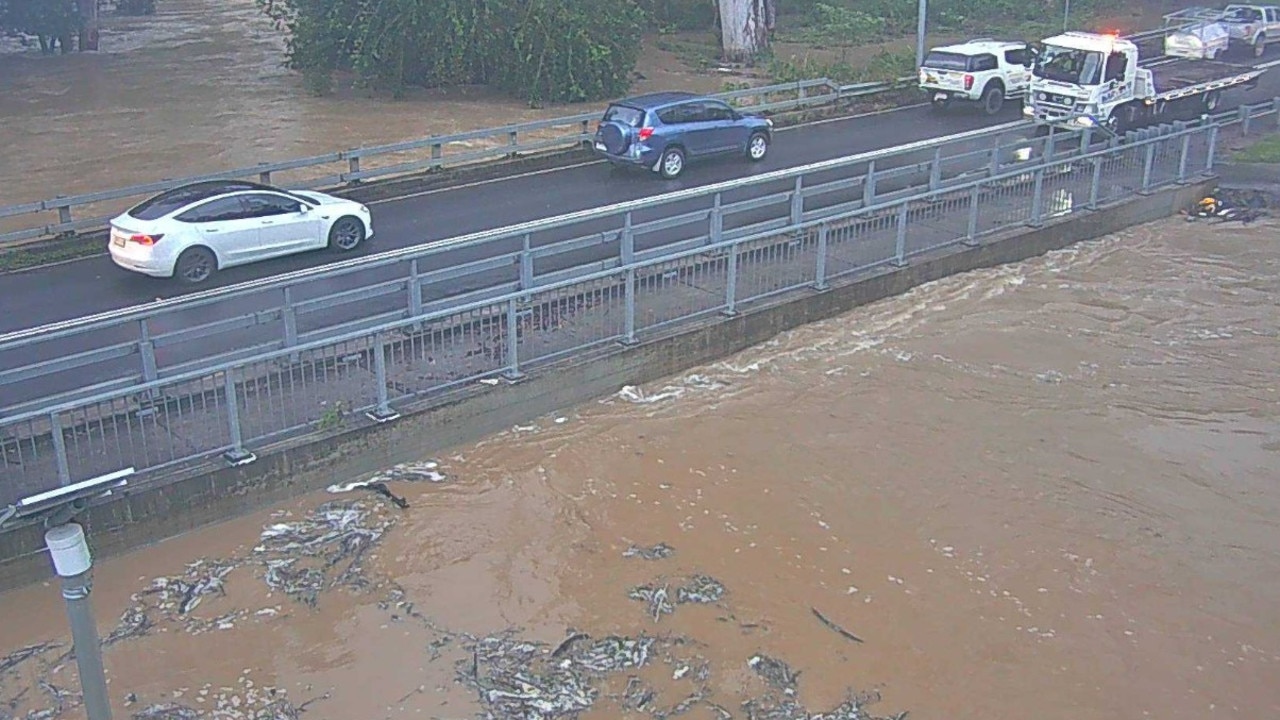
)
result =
(1081, 78)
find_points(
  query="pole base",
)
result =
(239, 456)
(382, 416)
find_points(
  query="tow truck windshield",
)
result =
(1069, 65)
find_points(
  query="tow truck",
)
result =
(1087, 80)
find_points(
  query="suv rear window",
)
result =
(946, 61)
(625, 115)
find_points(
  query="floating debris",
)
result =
(405, 472)
(656, 598)
(521, 680)
(827, 621)
(322, 551)
(700, 589)
(184, 594)
(22, 655)
(776, 672)
(167, 711)
(661, 551)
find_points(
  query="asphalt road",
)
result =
(95, 285)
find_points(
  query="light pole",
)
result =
(74, 564)
(1066, 17)
(922, 9)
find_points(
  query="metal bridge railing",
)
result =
(70, 214)
(365, 374)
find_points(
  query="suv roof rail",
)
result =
(982, 39)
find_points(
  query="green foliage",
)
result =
(669, 15)
(852, 22)
(539, 50)
(49, 19)
(884, 65)
(1266, 150)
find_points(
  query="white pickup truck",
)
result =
(1086, 79)
(1252, 26)
(983, 71)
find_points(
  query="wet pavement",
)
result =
(1043, 490)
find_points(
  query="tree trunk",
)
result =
(744, 28)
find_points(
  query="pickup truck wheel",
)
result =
(992, 99)
(1260, 46)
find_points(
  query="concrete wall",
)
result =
(214, 492)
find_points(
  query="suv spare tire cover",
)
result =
(614, 138)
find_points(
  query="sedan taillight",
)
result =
(146, 239)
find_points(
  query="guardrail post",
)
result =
(585, 131)
(971, 230)
(1245, 118)
(935, 169)
(64, 211)
(264, 176)
(526, 263)
(383, 413)
(512, 372)
(237, 455)
(1148, 163)
(995, 156)
(797, 202)
(1275, 108)
(1046, 155)
(1086, 140)
(869, 187)
(59, 448)
(715, 229)
(147, 350)
(1037, 199)
(900, 247)
(731, 284)
(820, 272)
(1213, 149)
(290, 316)
(415, 290)
(437, 154)
(1095, 185)
(629, 314)
(513, 141)
(626, 242)
(353, 167)
(1183, 157)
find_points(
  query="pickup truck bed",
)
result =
(1182, 77)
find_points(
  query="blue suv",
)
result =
(662, 131)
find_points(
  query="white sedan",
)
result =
(192, 231)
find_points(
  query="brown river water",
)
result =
(1047, 490)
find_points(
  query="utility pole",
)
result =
(922, 9)
(73, 563)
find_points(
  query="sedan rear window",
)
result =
(625, 115)
(180, 197)
(946, 61)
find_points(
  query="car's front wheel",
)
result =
(672, 163)
(346, 234)
(195, 265)
(757, 147)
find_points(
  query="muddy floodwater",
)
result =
(1047, 490)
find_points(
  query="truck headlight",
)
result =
(1028, 110)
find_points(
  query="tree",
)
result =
(54, 22)
(745, 26)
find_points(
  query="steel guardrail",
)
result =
(364, 375)
(437, 147)
(146, 322)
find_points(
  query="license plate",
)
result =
(600, 146)
(931, 79)
(117, 240)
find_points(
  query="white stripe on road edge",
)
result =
(588, 163)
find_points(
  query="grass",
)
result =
(1265, 150)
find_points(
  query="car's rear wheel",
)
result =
(672, 163)
(346, 234)
(195, 265)
(757, 147)
(993, 99)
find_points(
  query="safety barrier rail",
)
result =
(120, 348)
(350, 167)
(366, 373)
